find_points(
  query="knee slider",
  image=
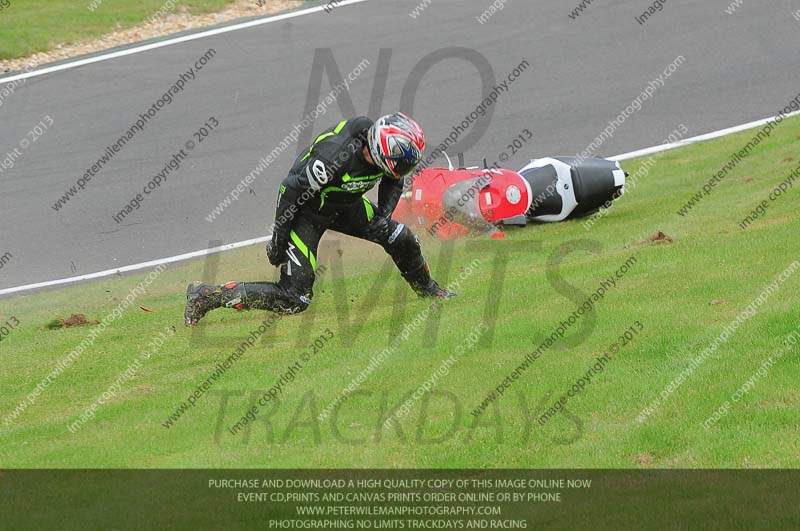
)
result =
(303, 302)
(296, 304)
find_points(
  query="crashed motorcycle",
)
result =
(453, 202)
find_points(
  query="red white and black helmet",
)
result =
(396, 143)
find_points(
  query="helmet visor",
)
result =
(402, 166)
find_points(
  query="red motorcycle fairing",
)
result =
(507, 196)
(449, 203)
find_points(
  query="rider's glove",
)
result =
(378, 229)
(276, 253)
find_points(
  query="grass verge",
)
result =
(30, 26)
(684, 293)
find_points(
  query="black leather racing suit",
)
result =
(325, 190)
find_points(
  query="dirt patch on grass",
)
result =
(180, 20)
(658, 237)
(645, 459)
(74, 320)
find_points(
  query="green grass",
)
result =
(30, 26)
(670, 290)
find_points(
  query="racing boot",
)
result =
(423, 284)
(433, 289)
(202, 298)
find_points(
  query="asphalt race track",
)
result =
(582, 73)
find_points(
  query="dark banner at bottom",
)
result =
(399, 499)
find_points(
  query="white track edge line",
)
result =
(246, 243)
(137, 267)
(175, 40)
(697, 139)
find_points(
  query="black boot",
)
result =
(423, 284)
(433, 289)
(202, 298)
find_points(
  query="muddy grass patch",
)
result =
(645, 459)
(73, 321)
(658, 237)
